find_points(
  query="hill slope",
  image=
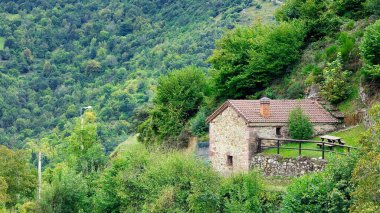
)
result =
(60, 56)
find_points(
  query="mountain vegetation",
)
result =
(158, 68)
(56, 57)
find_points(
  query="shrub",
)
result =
(247, 60)
(67, 192)
(335, 81)
(300, 126)
(178, 98)
(348, 8)
(371, 72)
(328, 191)
(366, 173)
(370, 47)
(198, 124)
(119, 186)
(319, 21)
(346, 44)
(372, 6)
(271, 201)
(308, 194)
(295, 90)
(179, 182)
(241, 193)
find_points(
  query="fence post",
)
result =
(278, 147)
(323, 150)
(348, 149)
(299, 148)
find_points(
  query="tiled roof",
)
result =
(279, 111)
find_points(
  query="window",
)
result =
(278, 131)
(229, 160)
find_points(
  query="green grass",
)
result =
(353, 102)
(350, 136)
(264, 14)
(276, 184)
(122, 146)
(2, 41)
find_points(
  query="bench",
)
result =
(330, 146)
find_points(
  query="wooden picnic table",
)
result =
(330, 139)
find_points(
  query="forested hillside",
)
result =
(58, 56)
(159, 68)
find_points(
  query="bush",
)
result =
(335, 86)
(348, 8)
(67, 192)
(198, 124)
(119, 186)
(371, 72)
(328, 191)
(186, 183)
(247, 60)
(178, 98)
(372, 7)
(300, 126)
(309, 193)
(366, 173)
(370, 47)
(271, 201)
(319, 21)
(155, 182)
(241, 193)
(295, 90)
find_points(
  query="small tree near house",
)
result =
(300, 126)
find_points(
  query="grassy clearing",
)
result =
(276, 184)
(350, 136)
(122, 146)
(2, 41)
(264, 14)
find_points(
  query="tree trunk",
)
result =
(39, 175)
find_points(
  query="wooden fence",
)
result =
(323, 149)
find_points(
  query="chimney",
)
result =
(264, 107)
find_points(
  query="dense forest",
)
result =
(58, 56)
(156, 69)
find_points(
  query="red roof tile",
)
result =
(279, 111)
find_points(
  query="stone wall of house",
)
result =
(320, 129)
(230, 136)
(276, 165)
(269, 131)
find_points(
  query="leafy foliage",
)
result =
(178, 98)
(241, 193)
(370, 46)
(366, 174)
(335, 81)
(318, 19)
(65, 192)
(58, 56)
(327, 191)
(300, 126)
(247, 59)
(17, 179)
(157, 182)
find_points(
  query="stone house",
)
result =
(236, 124)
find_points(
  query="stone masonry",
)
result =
(229, 137)
(235, 126)
(275, 165)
